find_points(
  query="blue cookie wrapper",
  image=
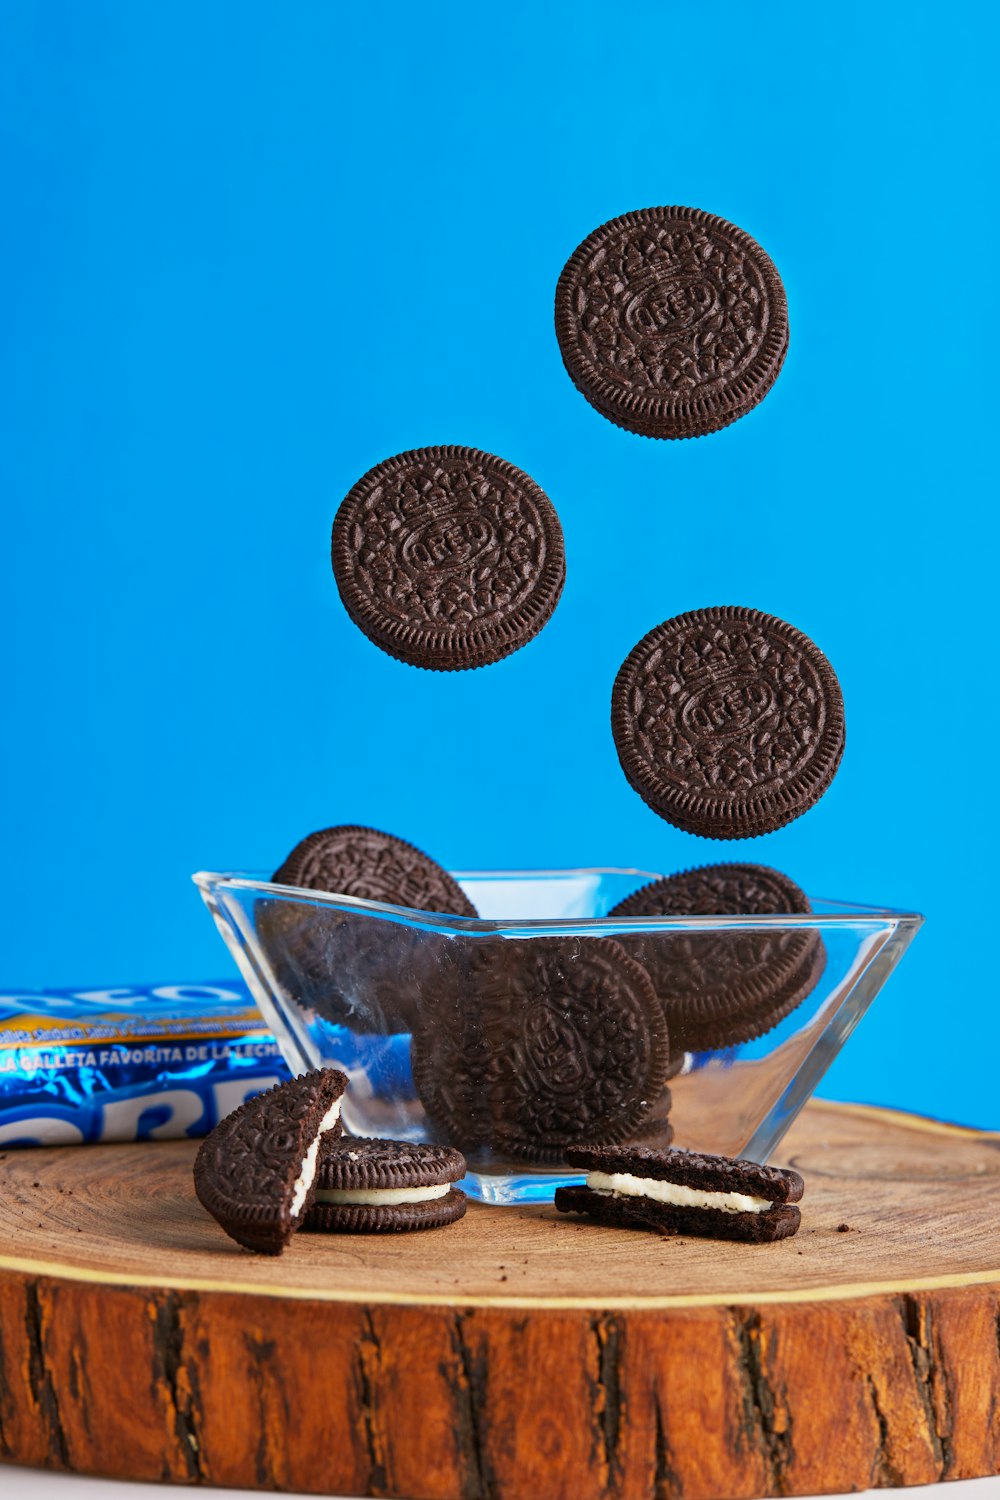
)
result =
(133, 1063)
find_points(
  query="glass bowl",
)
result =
(546, 1021)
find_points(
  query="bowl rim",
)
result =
(850, 914)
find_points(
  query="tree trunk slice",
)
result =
(519, 1355)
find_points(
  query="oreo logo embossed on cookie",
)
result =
(544, 1043)
(722, 988)
(256, 1171)
(386, 1187)
(448, 558)
(672, 322)
(728, 722)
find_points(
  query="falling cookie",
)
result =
(679, 1192)
(728, 722)
(672, 322)
(255, 1173)
(448, 558)
(386, 1187)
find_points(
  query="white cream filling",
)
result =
(304, 1181)
(672, 1192)
(382, 1197)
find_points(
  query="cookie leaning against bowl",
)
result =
(256, 1171)
(357, 968)
(367, 1186)
(722, 988)
(728, 722)
(672, 322)
(350, 860)
(543, 1043)
(448, 558)
(680, 1192)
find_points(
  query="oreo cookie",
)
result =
(256, 1171)
(448, 558)
(349, 966)
(349, 860)
(672, 322)
(680, 1192)
(543, 1043)
(369, 1186)
(657, 1129)
(728, 722)
(722, 988)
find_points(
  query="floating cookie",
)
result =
(448, 558)
(386, 1187)
(256, 1172)
(679, 1192)
(672, 322)
(722, 988)
(543, 1044)
(728, 722)
(351, 966)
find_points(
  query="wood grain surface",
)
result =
(518, 1354)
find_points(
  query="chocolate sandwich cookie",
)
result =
(722, 988)
(672, 322)
(386, 1187)
(680, 1192)
(543, 1044)
(448, 558)
(256, 1172)
(351, 966)
(349, 860)
(728, 722)
(656, 1129)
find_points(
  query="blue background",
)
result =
(249, 250)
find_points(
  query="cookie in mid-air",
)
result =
(672, 322)
(448, 558)
(354, 967)
(728, 722)
(256, 1171)
(369, 1186)
(544, 1043)
(679, 1192)
(722, 988)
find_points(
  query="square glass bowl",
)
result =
(546, 1022)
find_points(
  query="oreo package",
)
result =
(129, 1064)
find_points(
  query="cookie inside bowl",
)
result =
(574, 1010)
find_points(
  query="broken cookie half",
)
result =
(681, 1192)
(256, 1172)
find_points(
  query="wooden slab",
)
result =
(518, 1354)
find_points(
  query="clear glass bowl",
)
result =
(515, 1033)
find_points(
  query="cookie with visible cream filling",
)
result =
(368, 1186)
(256, 1171)
(682, 1192)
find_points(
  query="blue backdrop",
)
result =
(251, 249)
